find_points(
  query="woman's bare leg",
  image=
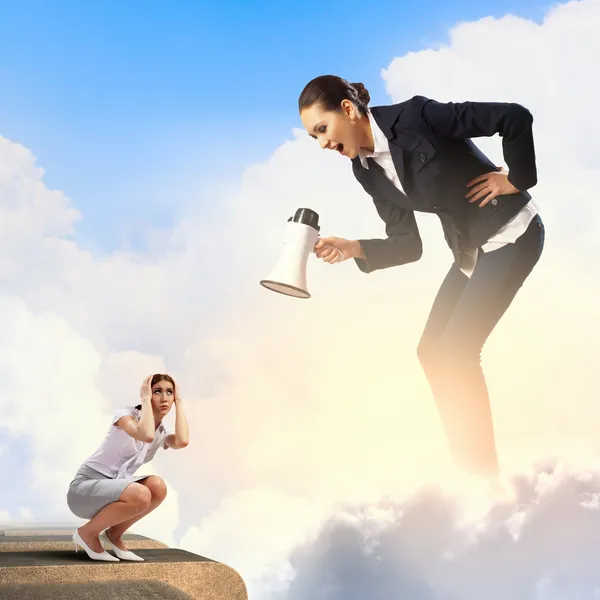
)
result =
(158, 491)
(134, 500)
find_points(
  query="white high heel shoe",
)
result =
(104, 555)
(122, 554)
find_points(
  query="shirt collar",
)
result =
(380, 142)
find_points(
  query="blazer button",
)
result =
(422, 157)
(495, 201)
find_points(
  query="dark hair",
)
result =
(330, 90)
(157, 378)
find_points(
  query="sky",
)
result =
(136, 108)
(149, 158)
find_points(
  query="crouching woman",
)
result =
(106, 490)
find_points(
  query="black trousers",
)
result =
(463, 315)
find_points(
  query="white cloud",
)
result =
(232, 531)
(26, 515)
(28, 208)
(424, 551)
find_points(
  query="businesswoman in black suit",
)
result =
(418, 156)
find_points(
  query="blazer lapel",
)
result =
(386, 117)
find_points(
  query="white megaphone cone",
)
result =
(289, 275)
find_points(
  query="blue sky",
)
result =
(136, 108)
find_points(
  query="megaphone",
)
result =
(289, 275)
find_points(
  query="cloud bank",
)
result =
(425, 549)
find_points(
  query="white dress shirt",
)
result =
(119, 455)
(381, 154)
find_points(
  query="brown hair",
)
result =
(330, 90)
(157, 378)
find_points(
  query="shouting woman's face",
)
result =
(338, 130)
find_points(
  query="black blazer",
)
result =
(435, 159)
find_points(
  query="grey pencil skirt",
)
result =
(90, 491)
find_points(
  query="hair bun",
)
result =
(362, 92)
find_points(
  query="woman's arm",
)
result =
(142, 430)
(130, 426)
(402, 245)
(181, 437)
(513, 122)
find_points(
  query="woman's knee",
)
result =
(137, 495)
(157, 487)
(422, 352)
(448, 351)
(428, 354)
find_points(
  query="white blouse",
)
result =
(119, 455)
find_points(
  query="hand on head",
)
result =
(176, 394)
(146, 389)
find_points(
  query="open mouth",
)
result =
(340, 148)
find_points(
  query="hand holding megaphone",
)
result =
(334, 249)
